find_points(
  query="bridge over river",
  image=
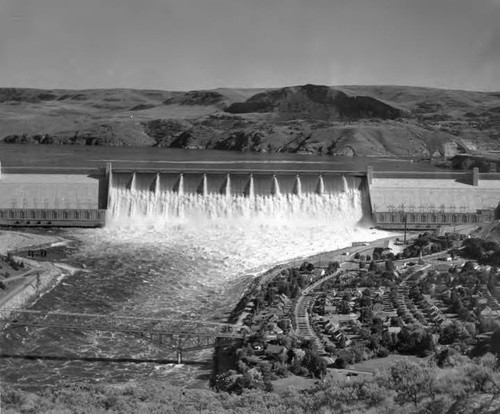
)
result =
(179, 335)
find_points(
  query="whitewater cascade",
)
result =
(343, 204)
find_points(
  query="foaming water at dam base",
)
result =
(172, 208)
(239, 234)
(223, 238)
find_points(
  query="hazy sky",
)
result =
(194, 44)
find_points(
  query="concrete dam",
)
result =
(392, 200)
(233, 195)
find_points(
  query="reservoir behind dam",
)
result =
(52, 158)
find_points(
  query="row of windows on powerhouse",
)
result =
(67, 215)
(433, 218)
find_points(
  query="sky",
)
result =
(206, 44)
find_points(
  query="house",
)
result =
(337, 335)
(447, 322)
(438, 320)
(330, 309)
(258, 348)
(394, 330)
(357, 292)
(318, 272)
(273, 311)
(331, 327)
(249, 307)
(277, 330)
(283, 299)
(274, 349)
(487, 312)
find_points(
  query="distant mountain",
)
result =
(344, 120)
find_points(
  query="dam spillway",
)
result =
(249, 185)
(177, 196)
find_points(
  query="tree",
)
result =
(415, 340)
(470, 327)
(340, 362)
(344, 307)
(332, 267)
(342, 342)
(285, 325)
(382, 352)
(473, 248)
(366, 314)
(396, 321)
(389, 265)
(412, 382)
(480, 377)
(317, 366)
(468, 266)
(495, 342)
(451, 333)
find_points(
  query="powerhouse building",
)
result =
(430, 200)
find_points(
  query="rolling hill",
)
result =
(343, 120)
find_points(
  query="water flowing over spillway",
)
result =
(343, 207)
(187, 251)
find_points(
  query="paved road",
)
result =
(29, 277)
(301, 313)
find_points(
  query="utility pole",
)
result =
(404, 219)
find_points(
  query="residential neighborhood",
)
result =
(408, 299)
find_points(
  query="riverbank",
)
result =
(23, 288)
(12, 241)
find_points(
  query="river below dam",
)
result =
(193, 264)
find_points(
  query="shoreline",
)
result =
(40, 277)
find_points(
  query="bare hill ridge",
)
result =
(343, 120)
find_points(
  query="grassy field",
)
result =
(299, 383)
(373, 365)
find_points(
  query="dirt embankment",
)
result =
(22, 285)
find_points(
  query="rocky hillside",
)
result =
(347, 120)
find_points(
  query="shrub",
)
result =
(382, 352)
